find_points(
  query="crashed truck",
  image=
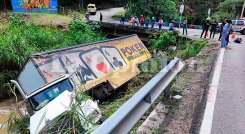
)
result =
(48, 79)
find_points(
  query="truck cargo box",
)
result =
(113, 61)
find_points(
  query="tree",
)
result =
(197, 10)
(165, 9)
(229, 9)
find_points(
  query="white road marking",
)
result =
(211, 98)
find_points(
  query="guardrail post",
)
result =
(167, 90)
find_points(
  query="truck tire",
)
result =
(101, 92)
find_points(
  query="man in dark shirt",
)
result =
(214, 25)
(101, 17)
(205, 27)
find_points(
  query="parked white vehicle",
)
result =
(238, 26)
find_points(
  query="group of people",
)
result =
(225, 31)
(149, 22)
(145, 22)
(205, 27)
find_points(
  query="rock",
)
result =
(177, 97)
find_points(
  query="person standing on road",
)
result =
(153, 21)
(221, 29)
(142, 21)
(136, 21)
(101, 17)
(122, 20)
(160, 23)
(205, 28)
(132, 20)
(147, 21)
(225, 33)
(230, 32)
(185, 26)
(87, 16)
(214, 25)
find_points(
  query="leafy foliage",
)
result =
(17, 124)
(198, 9)
(165, 40)
(165, 9)
(20, 39)
(184, 48)
(192, 49)
(229, 8)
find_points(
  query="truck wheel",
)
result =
(102, 92)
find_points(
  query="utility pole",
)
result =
(242, 10)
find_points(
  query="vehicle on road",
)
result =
(238, 26)
(92, 9)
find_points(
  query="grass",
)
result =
(22, 38)
(118, 16)
(122, 95)
(47, 18)
(51, 18)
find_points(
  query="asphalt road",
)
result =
(107, 14)
(229, 111)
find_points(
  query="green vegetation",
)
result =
(148, 70)
(185, 48)
(118, 15)
(165, 9)
(163, 41)
(229, 8)
(47, 18)
(17, 124)
(21, 38)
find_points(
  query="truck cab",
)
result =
(52, 100)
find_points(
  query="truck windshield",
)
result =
(43, 98)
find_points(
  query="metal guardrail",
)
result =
(124, 119)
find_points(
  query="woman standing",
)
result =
(221, 29)
(225, 33)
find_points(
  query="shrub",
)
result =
(163, 41)
(20, 39)
(192, 49)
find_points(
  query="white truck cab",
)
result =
(52, 100)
